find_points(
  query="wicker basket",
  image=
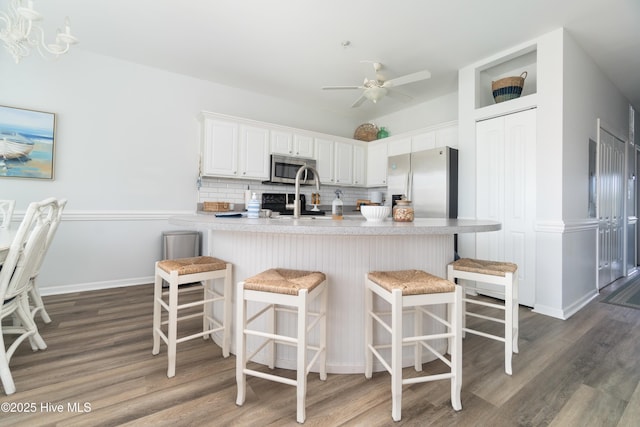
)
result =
(215, 206)
(508, 88)
(366, 132)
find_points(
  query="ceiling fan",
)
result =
(376, 88)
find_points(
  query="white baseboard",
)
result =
(565, 313)
(95, 286)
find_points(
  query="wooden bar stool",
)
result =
(290, 291)
(504, 276)
(414, 289)
(177, 272)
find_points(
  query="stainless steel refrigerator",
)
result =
(429, 179)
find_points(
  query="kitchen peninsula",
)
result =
(345, 251)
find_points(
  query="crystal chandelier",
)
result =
(21, 32)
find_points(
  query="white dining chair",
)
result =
(6, 211)
(37, 305)
(15, 277)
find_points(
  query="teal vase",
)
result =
(383, 133)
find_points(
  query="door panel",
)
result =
(506, 188)
(610, 207)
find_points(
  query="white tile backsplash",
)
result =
(232, 191)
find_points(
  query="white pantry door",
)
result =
(506, 189)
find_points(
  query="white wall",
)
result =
(439, 110)
(126, 157)
(571, 94)
(587, 96)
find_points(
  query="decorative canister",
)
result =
(253, 208)
(403, 211)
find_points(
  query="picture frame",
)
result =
(27, 143)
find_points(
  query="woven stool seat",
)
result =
(192, 265)
(284, 281)
(423, 295)
(411, 282)
(480, 266)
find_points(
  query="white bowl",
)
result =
(375, 213)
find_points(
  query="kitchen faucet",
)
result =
(296, 201)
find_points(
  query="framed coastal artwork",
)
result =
(27, 143)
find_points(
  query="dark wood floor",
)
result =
(581, 372)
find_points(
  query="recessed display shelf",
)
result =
(510, 65)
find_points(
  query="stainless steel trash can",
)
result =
(181, 244)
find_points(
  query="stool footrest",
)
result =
(484, 334)
(484, 303)
(271, 377)
(482, 316)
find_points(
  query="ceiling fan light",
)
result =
(375, 93)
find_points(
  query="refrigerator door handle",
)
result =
(410, 186)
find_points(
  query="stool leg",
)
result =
(301, 376)
(456, 350)
(396, 354)
(450, 312)
(172, 326)
(323, 334)
(272, 318)
(207, 308)
(516, 326)
(228, 291)
(508, 326)
(368, 330)
(241, 343)
(157, 312)
(417, 332)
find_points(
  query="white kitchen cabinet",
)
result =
(291, 144)
(254, 152)
(359, 164)
(377, 163)
(399, 146)
(324, 149)
(232, 149)
(506, 188)
(447, 136)
(423, 141)
(219, 147)
(343, 163)
(303, 145)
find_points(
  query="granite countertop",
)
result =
(350, 225)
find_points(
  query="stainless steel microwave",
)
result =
(285, 168)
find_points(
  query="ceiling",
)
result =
(291, 48)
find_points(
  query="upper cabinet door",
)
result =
(254, 152)
(303, 146)
(359, 165)
(281, 142)
(344, 163)
(377, 164)
(291, 144)
(219, 147)
(324, 159)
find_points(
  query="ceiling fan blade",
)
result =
(399, 96)
(359, 101)
(341, 87)
(409, 78)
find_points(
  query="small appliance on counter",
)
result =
(282, 203)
